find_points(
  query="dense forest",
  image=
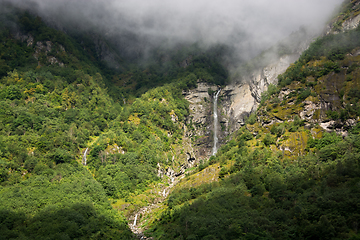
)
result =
(81, 142)
(58, 100)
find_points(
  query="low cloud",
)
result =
(248, 26)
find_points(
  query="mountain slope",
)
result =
(84, 132)
(284, 175)
(61, 104)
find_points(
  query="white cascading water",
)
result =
(135, 221)
(216, 95)
(84, 157)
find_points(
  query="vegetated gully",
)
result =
(136, 225)
(135, 222)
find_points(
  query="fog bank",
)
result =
(248, 26)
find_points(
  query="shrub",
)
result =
(251, 119)
(268, 140)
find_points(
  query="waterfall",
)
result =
(84, 157)
(216, 96)
(135, 221)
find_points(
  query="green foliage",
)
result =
(278, 130)
(246, 135)
(62, 201)
(50, 114)
(266, 197)
(334, 115)
(303, 94)
(333, 47)
(356, 128)
(272, 90)
(131, 120)
(328, 67)
(326, 140)
(268, 140)
(354, 95)
(251, 119)
(76, 221)
(119, 180)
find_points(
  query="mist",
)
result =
(247, 26)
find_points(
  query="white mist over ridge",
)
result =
(248, 26)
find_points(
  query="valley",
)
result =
(180, 142)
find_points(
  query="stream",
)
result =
(216, 96)
(135, 219)
(84, 157)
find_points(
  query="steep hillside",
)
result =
(84, 143)
(242, 94)
(292, 171)
(96, 145)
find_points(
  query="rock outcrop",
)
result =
(41, 49)
(236, 102)
(260, 79)
(346, 21)
(199, 124)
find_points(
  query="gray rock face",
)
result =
(199, 123)
(45, 48)
(351, 23)
(236, 101)
(314, 112)
(24, 37)
(199, 100)
(240, 98)
(39, 47)
(261, 79)
(309, 111)
(348, 22)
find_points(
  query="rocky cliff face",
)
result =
(200, 122)
(42, 50)
(240, 98)
(237, 100)
(260, 79)
(347, 20)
